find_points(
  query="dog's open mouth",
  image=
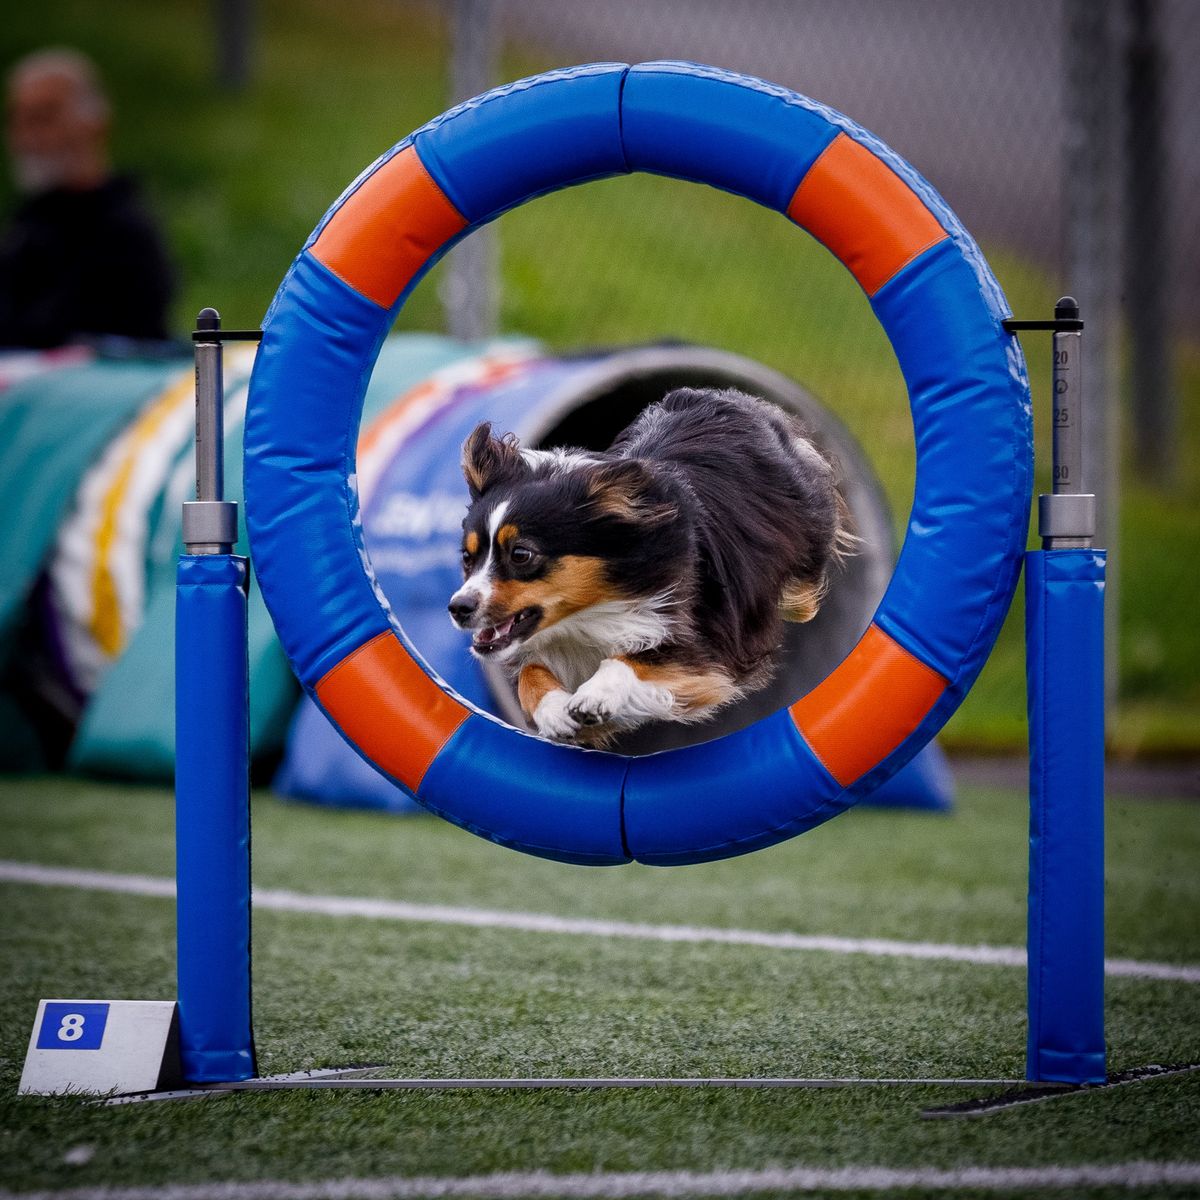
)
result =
(493, 638)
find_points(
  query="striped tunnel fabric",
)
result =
(97, 570)
(937, 301)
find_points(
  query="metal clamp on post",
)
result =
(1067, 517)
(210, 523)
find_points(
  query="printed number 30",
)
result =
(71, 1029)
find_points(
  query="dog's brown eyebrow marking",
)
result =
(508, 533)
(472, 542)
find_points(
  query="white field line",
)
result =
(279, 900)
(659, 1183)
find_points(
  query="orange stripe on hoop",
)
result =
(853, 203)
(390, 709)
(860, 713)
(387, 230)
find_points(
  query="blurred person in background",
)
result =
(81, 257)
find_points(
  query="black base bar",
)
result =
(272, 1085)
(1038, 1093)
(353, 1079)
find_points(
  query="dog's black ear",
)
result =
(628, 490)
(488, 460)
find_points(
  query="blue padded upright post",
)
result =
(212, 818)
(1064, 596)
(1064, 663)
(212, 755)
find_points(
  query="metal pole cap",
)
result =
(1067, 515)
(208, 523)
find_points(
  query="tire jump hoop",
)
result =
(953, 335)
(939, 305)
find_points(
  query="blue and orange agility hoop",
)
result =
(932, 292)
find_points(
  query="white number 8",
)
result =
(71, 1029)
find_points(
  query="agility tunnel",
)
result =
(98, 577)
(95, 461)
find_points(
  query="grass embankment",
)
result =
(241, 179)
(438, 999)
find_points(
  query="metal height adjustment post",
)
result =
(1064, 662)
(1067, 517)
(210, 524)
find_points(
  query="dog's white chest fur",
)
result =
(574, 648)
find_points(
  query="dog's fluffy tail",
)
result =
(801, 599)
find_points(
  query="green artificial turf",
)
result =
(449, 1000)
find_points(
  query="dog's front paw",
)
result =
(606, 698)
(553, 718)
(592, 708)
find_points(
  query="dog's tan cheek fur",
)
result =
(574, 583)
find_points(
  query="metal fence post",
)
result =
(469, 289)
(1092, 241)
(234, 22)
(1148, 259)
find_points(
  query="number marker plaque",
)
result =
(104, 1046)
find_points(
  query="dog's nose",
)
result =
(462, 606)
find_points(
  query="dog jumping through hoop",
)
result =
(650, 581)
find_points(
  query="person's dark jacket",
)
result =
(75, 264)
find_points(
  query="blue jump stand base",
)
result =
(1064, 630)
(1064, 593)
(212, 818)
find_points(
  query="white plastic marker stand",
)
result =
(114, 1046)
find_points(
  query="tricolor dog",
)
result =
(648, 582)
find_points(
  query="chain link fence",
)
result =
(1063, 134)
